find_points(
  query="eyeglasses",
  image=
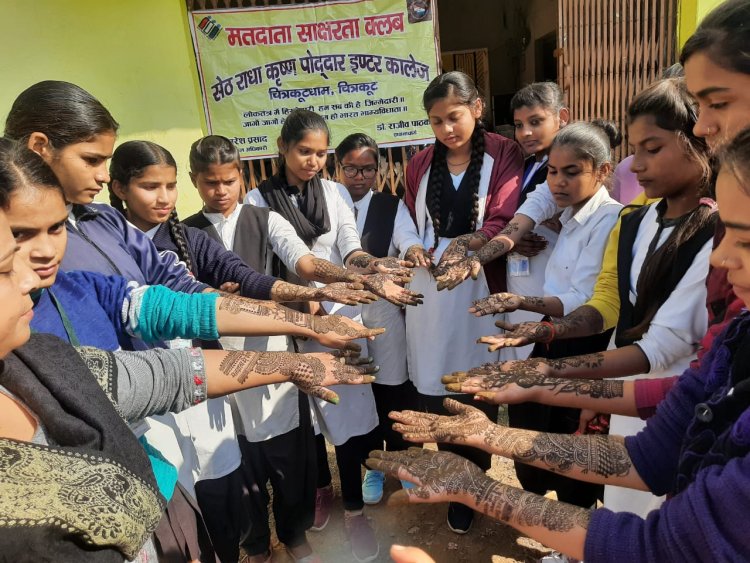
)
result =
(368, 172)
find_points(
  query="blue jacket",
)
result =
(93, 304)
(103, 241)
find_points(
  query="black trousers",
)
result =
(288, 462)
(434, 404)
(350, 457)
(393, 398)
(559, 420)
(224, 512)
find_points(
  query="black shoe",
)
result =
(460, 517)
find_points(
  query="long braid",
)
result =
(116, 202)
(475, 169)
(178, 236)
(435, 187)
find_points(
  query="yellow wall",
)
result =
(691, 12)
(135, 56)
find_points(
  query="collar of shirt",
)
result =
(531, 170)
(585, 212)
(217, 218)
(152, 231)
(225, 226)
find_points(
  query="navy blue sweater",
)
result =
(214, 265)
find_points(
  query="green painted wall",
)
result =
(135, 56)
(691, 12)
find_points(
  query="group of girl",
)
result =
(130, 287)
(671, 313)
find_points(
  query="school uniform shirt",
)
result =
(355, 415)
(535, 175)
(388, 349)
(577, 258)
(272, 410)
(669, 344)
(442, 334)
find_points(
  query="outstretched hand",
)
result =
(347, 293)
(496, 303)
(466, 426)
(392, 265)
(418, 256)
(455, 264)
(496, 375)
(387, 286)
(312, 373)
(438, 476)
(338, 331)
(517, 335)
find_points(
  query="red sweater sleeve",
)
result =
(505, 183)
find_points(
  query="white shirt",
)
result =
(282, 237)
(338, 243)
(540, 204)
(355, 415)
(361, 208)
(577, 258)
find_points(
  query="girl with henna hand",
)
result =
(694, 447)
(321, 213)
(143, 187)
(662, 277)
(460, 193)
(539, 113)
(77, 485)
(579, 163)
(96, 310)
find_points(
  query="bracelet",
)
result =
(553, 332)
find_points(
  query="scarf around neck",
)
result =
(310, 219)
(90, 495)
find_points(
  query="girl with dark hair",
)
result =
(143, 178)
(321, 213)
(662, 263)
(460, 193)
(77, 485)
(75, 134)
(539, 112)
(91, 309)
(694, 449)
(580, 161)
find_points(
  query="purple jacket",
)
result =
(102, 241)
(706, 519)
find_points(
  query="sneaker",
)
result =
(460, 517)
(323, 502)
(372, 486)
(362, 537)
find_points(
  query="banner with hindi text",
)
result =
(362, 64)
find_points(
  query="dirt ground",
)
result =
(424, 525)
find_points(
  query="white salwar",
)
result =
(355, 415)
(442, 333)
(669, 344)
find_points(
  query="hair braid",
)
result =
(435, 187)
(116, 202)
(474, 170)
(178, 236)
